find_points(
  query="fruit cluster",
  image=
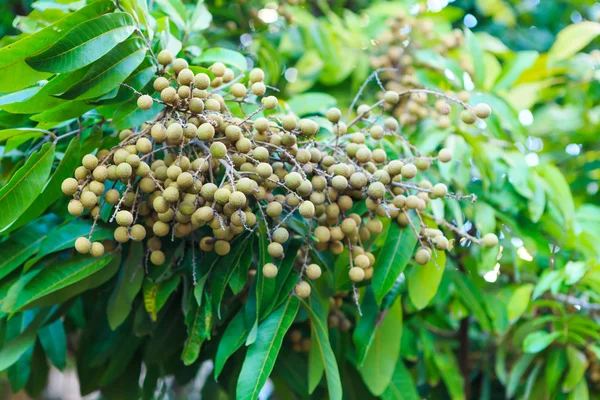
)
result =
(200, 163)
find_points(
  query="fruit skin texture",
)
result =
(302, 289)
(269, 270)
(145, 102)
(489, 240)
(83, 245)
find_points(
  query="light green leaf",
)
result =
(393, 257)
(201, 18)
(106, 73)
(175, 9)
(424, 280)
(15, 74)
(7, 134)
(516, 373)
(519, 301)
(515, 67)
(538, 341)
(365, 327)
(402, 386)
(311, 103)
(261, 355)
(199, 323)
(477, 57)
(383, 353)
(578, 363)
(571, 39)
(85, 43)
(233, 338)
(226, 56)
(25, 185)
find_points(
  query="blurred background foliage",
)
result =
(522, 323)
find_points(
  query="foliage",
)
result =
(515, 320)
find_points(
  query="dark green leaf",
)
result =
(157, 294)
(402, 386)
(54, 341)
(233, 338)
(578, 363)
(199, 323)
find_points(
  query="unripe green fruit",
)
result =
(159, 133)
(206, 132)
(205, 214)
(157, 257)
(261, 124)
(264, 170)
(274, 209)
(308, 127)
(121, 234)
(145, 102)
(413, 202)
(165, 57)
(356, 274)
(334, 115)
(201, 81)
(483, 110)
(246, 185)
(409, 171)
(185, 180)
(97, 249)
(69, 186)
(190, 131)
(208, 191)
(218, 69)
(375, 226)
(218, 150)
(363, 110)
(275, 250)
(90, 161)
(160, 228)
(83, 245)
(237, 199)
(376, 190)
(391, 97)
(422, 256)
(124, 218)
(307, 209)
(185, 77)
(302, 289)
(439, 190)
(363, 155)
(124, 170)
(269, 270)
(281, 235)
(445, 155)
(313, 271)
(289, 122)
(269, 102)
(160, 83)
(222, 247)
(168, 95)
(468, 116)
(171, 194)
(489, 240)
(179, 64)
(88, 200)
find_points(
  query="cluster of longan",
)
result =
(197, 164)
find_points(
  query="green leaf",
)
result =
(393, 257)
(201, 18)
(233, 338)
(319, 333)
(199, 323)
(447, 365)
(519, 301)
(127, 286)
(578, 363)
(424, 280)
(477, 57)
(54, 341)
(52, 191)
(106, 73)
(157, 294)
(25, 185)
(261, 355)
(85, 43)
(571, 39)
(311, 103)
(402, 386)
(129, 114)
(472, 298)
(15, 348)
(514, 68)
(555, 367)
(580, 392)
(175, 9)
(538, 341)
(365, 327)
(7, 134)
(226, 56)
(15, 74)
(60, 275)
(382, 356)
(516, 373)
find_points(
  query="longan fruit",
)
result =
(274, 209)
(281, 235)
(83, 245)
(334, 115)
(97, 249)
(160, 83)
(307, 209)
(489, 240)
(218, 150)
(362, 261)
(468, 116)
(168, 95)
(275, 250)
(69, 186)
(313, 271)
(179, 64)
(482, 110)
(88, 199)
(423, 256)
(157, 257)
(302, 289)
(222, 247)
(201, 81)
(185, 77)
(356, 274)
(137, 232)
(145, 102)
(165, 57)
(445, 155)
(269, 270)
(218, 69)
(124, 218)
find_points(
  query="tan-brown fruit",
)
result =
(423, 256)
(137, 232)
(165, 57)
(307, 209)
(121, 234)
(124, 218)
(275, 250)
(145, 102)
(222, 247)
(302, 289)
(362, 261)
(83, 245)
(281, 235)
(445, 155)
(483, 110)
(269, 270)
(88, 200)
